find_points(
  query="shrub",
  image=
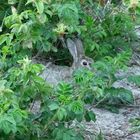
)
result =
(32, 27)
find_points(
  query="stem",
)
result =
(99, 102)
(52, 119)
(129, 134)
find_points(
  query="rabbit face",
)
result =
(76, 49)
(86, 62)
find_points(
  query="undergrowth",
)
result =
(32, 27)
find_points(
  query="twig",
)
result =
(99, 102)
(137, 106)
(129, 134)
(38, 53)
(32, 105)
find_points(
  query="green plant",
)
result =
(106, 95)
(135, 79)
(12, 118)
(108, 30)
(135, 122)
(31, 27)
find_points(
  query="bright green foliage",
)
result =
(112, 30)
(134, 79)
(135, 122)
(12, 117)
(29, 27)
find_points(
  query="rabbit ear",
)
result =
(80, 49)
(73, 49)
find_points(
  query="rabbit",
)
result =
(54, 73)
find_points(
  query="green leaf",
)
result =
(111, 108)
(37, 68)
(49, 12)
(90, 116)
(40, 6)
(94, 46)
(77, 107)
(12, 1)
(135, 123)
(64, 88)
(7, 124)
(134, 79)
(2, 83)
(23, 28)
(79, 117)
(62, 113)
(38, 79)
(119, 96)
(66, 136)
(68, 13)
(19, 115)
(29, 1)
(27, 44)
(42, 18)
(3, 38)
(53, 106)
(100, 136)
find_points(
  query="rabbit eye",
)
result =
(85, 63)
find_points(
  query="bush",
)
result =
(32, 27)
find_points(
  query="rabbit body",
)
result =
(54, 73)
